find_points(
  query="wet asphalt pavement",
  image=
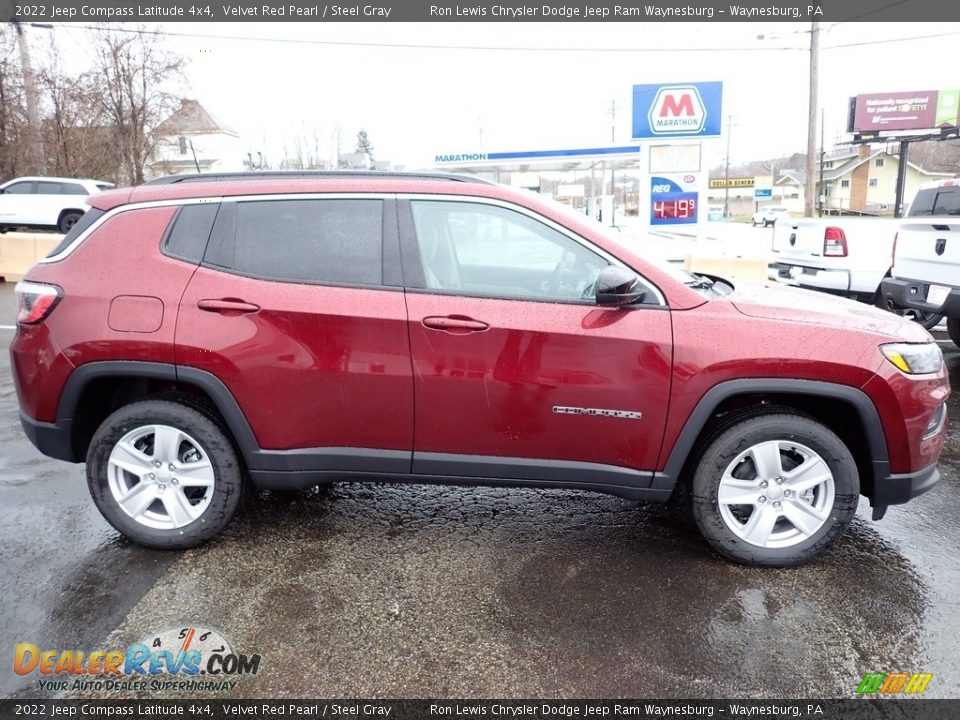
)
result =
(418, 591)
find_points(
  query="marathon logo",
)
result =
(466, 157)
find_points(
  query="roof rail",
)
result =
(312, 174)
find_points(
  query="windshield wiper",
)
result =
(700, 282)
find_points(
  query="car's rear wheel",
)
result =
(774, 489)
(163, 474)
(68, 220)
(953, 330)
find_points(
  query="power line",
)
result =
(503, 48)
(415, 46)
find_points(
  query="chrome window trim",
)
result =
(113, 212)
(176, 202)
(442, 197)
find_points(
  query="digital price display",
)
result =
(680, 208)
(674, 200)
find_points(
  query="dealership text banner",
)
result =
(87, 11)
(218, 709)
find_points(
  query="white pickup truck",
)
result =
(926, 261)
(847, 256)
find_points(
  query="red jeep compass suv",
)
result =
(199, 333)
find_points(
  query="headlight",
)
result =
(914, 359)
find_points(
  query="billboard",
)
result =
(919, 110)
(677, 110)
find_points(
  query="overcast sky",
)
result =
(543, 93)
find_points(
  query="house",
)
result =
(864, 179)
(192, 139)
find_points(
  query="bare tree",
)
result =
(13, 112)
(78, 142)
(133, 81)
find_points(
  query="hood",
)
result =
(781, 302)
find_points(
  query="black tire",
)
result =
(953, 330)
(68, 220)
(227, 471)
(740, 435)
(926, 320)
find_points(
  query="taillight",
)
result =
(35, 301)
(834, 242)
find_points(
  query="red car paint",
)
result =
(320, 366)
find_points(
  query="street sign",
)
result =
(763, 193)
(678, 110)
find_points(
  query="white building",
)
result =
(192, 140)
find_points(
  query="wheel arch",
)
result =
(95, 389)
(833, 404)
(68, 210)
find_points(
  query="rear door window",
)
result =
(336, 241)
(73, 189)
(49, 188)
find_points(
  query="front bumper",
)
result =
(913, 294)
(809, 277)
(52, 439)
(898, 489)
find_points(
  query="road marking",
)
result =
(8, 327)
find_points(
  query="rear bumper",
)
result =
(898, 489)
(52, 439)
(809, 277)
(913, 294)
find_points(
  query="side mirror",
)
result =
(618, 286)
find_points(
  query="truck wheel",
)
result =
(953, 330)
(774, 490)
(927, 320)
(163, 474)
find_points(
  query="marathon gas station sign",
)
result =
(680, 110)
(921, 110)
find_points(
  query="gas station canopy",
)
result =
(608, 158)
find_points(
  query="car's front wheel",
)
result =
(165, 475)
(774, 489)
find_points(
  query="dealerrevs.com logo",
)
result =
(896, 683)
(184, 659)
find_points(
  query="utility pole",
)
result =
(821, 189)
(809, 187)
(613, 140)
(34, 154)
(726, 171)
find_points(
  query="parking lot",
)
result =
(413, 591)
